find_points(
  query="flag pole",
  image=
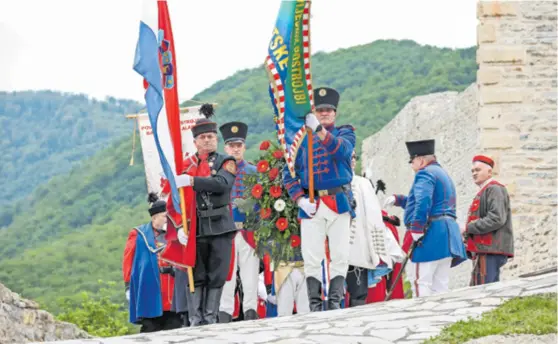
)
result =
(186, 231)
(310, 164)
(309, 131)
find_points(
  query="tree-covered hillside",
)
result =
(71, 231)
(375, 81)
(43, 134)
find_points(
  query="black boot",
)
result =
(224, 317)
(185, 320)
(250, 315)
(314, 288)
(194, 301)
(212, 301)
(336, 292)
(356, 302)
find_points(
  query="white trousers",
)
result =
(335, 226)
(429, 278)
(293, 290)
(249, 265)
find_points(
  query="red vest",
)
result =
(472, 215)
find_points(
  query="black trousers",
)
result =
(357, 285)
(213, 258)
(167, 321)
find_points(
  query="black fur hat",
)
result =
(156, 205)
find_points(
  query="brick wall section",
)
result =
(517, 42)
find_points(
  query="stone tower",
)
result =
(517, 96)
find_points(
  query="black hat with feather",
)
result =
(205, 125)
(156, 205)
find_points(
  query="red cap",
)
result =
(484, 159)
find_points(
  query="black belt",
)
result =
(214, 212)
(436, 217)
(166, 270)
(327, 192)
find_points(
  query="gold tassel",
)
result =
(134, 141)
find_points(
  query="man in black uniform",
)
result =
(211, 176)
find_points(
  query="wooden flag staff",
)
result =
(186, 232)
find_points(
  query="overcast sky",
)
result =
(88, 46)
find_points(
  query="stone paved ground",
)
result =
(397, 321)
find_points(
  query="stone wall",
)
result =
(516, 53)
(21, 321)
(509, 114)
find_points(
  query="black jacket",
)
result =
(213, 197)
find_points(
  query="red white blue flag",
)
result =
(155, 61)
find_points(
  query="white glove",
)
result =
(128, 295)
(417, 236)
(272, 299)
(182, 180)
(309, 208)
(262, 292)
(182, 237)
(389, 201)
(312, 121)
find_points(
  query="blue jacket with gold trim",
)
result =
(430, 208)
(332, 168)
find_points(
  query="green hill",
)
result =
(72, 234)
(43, 134)
(375, 81)
(71, 231)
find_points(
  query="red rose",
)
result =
(277, 154)
(295, 240)
(257, 191)
(265, 145)
(265, 213)
(273, 173)
(275, 191)
(263, 166)
(281, 224)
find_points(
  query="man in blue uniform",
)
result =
(330, 215)
(430, 217)
(246, 260)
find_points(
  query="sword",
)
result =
(407, 257)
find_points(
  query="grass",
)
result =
(407, 289)
(523, 315)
